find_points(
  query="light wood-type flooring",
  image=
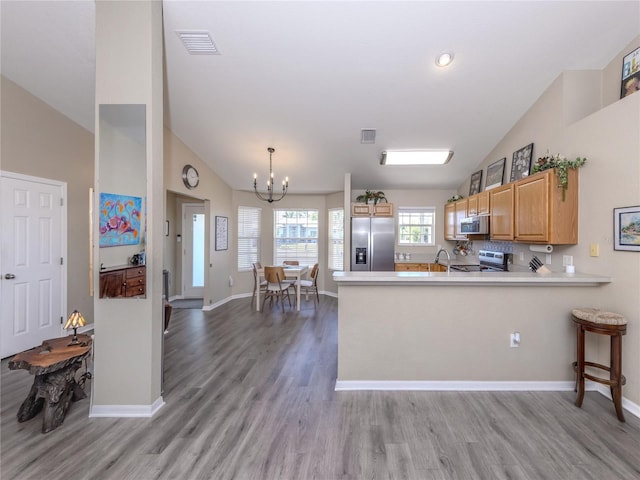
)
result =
(251, 396)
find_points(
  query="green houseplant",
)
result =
(376, 197)
(562, 166)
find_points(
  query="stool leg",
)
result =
(615, 374)
(580, 369)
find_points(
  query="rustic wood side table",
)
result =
(54, 364)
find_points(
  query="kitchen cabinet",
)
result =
(450, 221)
(125, 281)
(420, 267)
(541, 214)
(461, 212)
(378, 210)
(501, 211)
(483, 203)
(478, 204)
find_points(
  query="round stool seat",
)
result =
(595, 315)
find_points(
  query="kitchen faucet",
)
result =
(448, 258)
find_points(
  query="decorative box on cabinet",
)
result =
(542, 215)
(129, 281)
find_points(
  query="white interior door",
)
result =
(193, 262)
(32, 275)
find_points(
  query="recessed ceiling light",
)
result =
(416, 157)
(444, 59)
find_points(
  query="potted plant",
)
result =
(562, 166)
(376, 197)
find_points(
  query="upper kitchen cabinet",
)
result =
(542, 215)
(461, 212)
(478, 204)
(501, 211)
(450, 221)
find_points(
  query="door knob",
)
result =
(9, 276)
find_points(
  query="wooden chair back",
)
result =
(274, 274)
(291, 262)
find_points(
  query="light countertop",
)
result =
(470, 278)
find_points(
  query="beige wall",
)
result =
(212, 189)
(39, 141)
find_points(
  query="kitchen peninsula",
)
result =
(440, 331)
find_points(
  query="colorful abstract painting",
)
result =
(119, 220)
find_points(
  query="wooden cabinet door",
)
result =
(407, 267)
(450, 221)
(532, 209)
(112, 284)
(483, 203)
(501, 207)
(472, 205)
(461, 212)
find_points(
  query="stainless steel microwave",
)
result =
(475, 225)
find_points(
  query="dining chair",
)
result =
(291, 262)
(277, 287)
(311, 285)
(263, 284)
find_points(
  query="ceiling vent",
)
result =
(198, 42)
(368, 135)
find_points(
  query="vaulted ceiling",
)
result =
(305, 77)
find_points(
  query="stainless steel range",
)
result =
(489, 262)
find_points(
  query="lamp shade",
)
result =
(75, 320)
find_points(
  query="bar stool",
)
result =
(604, 323)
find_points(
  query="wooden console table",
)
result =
(54, 364)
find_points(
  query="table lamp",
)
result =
(74, 321)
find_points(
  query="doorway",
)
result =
(32, 261)
(193, 250)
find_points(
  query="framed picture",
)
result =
(222, 233)
(630, 73)
(474, 186)
(521, 163)
(119, 220)
(495, 174)
(626, 228)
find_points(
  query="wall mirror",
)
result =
(121, 201)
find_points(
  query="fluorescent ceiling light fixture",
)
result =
(416, 157)
(444, 59)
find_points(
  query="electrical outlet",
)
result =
(594, 250)
(567, 260)
(521, 256)
(514, 340)
(548, 259)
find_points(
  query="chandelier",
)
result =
(268, 196)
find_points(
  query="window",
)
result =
(295, 236)
(248, 237)
(336, 239)
(416, 225)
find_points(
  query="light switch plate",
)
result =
(594, 250)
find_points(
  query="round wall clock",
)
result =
(190, 176)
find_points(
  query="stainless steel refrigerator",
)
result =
(372, 244)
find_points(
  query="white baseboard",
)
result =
(461, 386)
(464, 386)
(130, 411)
(208, 308)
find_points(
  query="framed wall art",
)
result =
(495, 174)
(222, 233)
(120, 217)
(626, 228)
(474, 186)
(630, 73)
(521, 162)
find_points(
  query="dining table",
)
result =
(290, 272)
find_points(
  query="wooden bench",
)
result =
(54, 364)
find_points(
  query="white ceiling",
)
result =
(305, 77)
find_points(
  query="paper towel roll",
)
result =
(541, 248)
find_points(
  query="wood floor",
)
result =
(251, 396)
